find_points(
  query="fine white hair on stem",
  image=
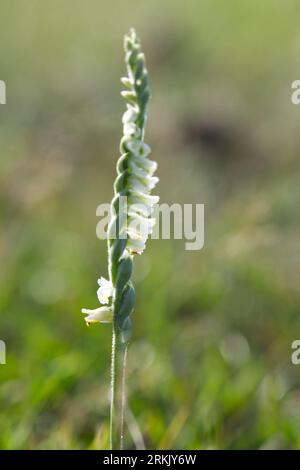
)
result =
(134, 181)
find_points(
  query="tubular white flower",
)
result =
(143, 183)
(98, 315)
(138, 197)
(142, 166)
(136, 243)
(105, 290)
(140, 209)
(131, 130)
(140, 225)
(131, 114)
(138, 148)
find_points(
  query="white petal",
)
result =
(130, 115)
(137, 197)
(137, 184)
(150, 181)
(140, 218)
(104, 282)
(141, 225)
(101, 314)
(105, 290)
(136, 245)
(136, 170)
(131, 130)
(127, 82)
(140, 208)
(148, 165)
(136, 236)
(143, 184)
(138, 148)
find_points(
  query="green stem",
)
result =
(123, 404)
(112, 390)
(117, 397)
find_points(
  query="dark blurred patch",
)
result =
(209, 135)
(224, 145)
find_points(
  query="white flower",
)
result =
(105, 290)
(141, 180)
(143, 184)
(138, 231)
(131, 130)
(127, 82)
(142, 225)
(135, 244)
(130, 115)
(141, 209)
(101, 314)
(137, 170)
(137, 197)
(144, 163)
(138, 148)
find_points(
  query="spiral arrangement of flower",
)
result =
(131, 208)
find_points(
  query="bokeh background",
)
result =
(209, 365)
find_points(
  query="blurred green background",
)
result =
(209, 365)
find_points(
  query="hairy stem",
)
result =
(112, 390)
(117, 404)
(123, 395)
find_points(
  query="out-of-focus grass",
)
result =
(209, 365)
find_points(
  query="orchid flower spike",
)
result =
(135, 180)
(129, 226)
